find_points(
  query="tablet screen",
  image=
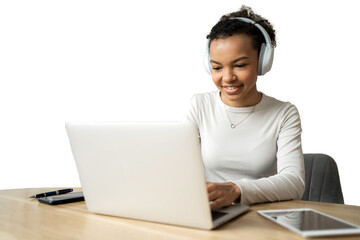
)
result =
(310, 222)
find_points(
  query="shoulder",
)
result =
(204, 99)
(285, 112)
(200, 106)
(277, 105)
(287, 115)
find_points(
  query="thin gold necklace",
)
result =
(232, 125)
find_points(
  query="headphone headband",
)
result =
(266, 53)
(263, 31)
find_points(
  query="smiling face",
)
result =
(234, 64)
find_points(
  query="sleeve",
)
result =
(289, 182)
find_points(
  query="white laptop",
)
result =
(145, 170)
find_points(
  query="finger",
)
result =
(210, 186)
(216, 204)
(213, 195)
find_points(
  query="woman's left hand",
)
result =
(222, 194)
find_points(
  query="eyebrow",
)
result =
(236, 60)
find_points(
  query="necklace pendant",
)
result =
(233, 125)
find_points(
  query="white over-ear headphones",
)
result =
(266, 54)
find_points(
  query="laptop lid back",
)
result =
(142, 170)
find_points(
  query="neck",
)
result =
(251, 101)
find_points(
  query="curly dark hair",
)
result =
(227, 27)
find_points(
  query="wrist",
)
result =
(237, 192)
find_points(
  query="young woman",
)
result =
(250, 142)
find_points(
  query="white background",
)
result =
(142, 60)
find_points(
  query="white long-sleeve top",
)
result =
(262, 155)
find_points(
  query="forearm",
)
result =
(279, 187)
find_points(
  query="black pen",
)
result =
(57, 192)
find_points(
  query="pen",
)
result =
(57, 192)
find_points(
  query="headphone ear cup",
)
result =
(261, 59)
(206, 59)
(207, 64)
(266, 57)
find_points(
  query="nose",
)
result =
(228, 75)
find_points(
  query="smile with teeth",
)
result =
(232, 89)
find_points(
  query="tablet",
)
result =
(309, 223)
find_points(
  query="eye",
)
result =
(240, 65)
(216, 68)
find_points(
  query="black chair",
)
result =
(322, 182)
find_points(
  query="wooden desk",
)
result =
(25, 218)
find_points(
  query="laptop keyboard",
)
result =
(215, 215)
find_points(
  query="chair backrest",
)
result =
(322, 182)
